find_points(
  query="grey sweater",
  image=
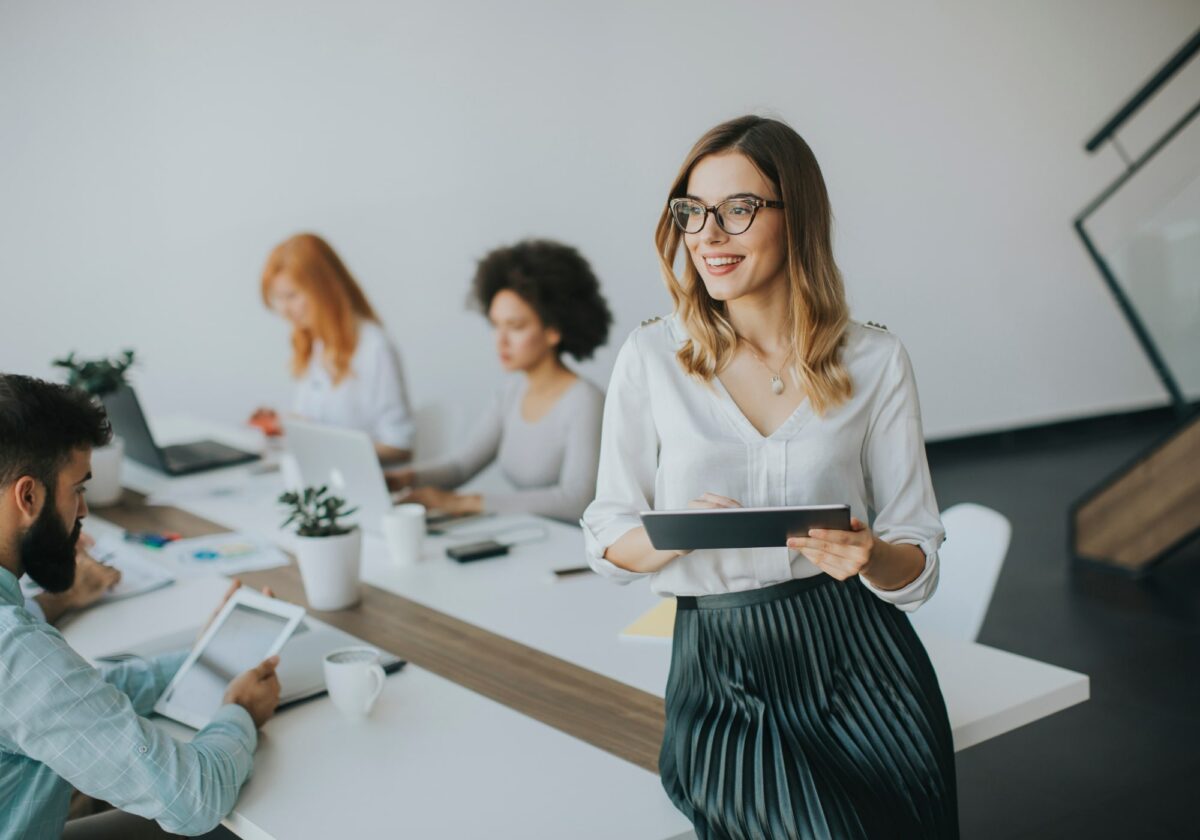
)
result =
(552, 463)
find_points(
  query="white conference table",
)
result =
(988, 692)
(427, 730)
(433, 759)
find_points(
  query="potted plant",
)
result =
(101, 377)
(328, 551)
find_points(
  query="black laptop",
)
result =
(128, 421)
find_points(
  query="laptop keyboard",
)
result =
(188, 455)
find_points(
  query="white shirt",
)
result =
(371, 397)
(668, 438)
(550, 462)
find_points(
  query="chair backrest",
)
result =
(432, 435)
(977, 541)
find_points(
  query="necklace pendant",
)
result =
(776, 385)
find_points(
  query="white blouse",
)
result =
(371, 398)
(668, 438)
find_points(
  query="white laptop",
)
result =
(345, 461)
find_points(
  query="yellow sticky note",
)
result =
(658, 623)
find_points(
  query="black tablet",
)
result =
(682, 530)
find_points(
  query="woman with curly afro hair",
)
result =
(543, 302)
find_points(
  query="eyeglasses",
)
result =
(734, 215)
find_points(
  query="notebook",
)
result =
(138, 574)
(656, 624)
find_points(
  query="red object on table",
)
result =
(267, 422)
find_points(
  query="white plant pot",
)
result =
(329, 568)
(105, 486)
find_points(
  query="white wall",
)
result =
(151, 154)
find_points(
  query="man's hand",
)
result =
(92, 580)
(256, 691)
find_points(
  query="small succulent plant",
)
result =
(99, 377)
(315, 513)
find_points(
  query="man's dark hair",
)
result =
(557, 282)
(41, 424)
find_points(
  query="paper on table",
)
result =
(138, 574)
(226, 554)
(239, 483)
(658, 623)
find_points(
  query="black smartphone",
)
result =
(476, 551)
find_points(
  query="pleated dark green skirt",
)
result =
(806, 710)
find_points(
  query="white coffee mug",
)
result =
(404, 531)
(289, 473)
(354, 680)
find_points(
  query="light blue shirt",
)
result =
(64, 724)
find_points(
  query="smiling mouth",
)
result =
(720, 261)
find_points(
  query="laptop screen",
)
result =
(127, 420)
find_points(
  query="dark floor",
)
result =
(1125, 764)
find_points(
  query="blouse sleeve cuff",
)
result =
(442, 474)
(399, 436)
(920, 590)
(597, 542)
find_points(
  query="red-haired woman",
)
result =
(347, 370)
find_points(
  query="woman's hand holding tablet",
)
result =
(722, 523)
(844, 554)
(839, 554)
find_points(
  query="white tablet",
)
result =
(765, 527)
(248, 629)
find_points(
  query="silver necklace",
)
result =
(777, 385)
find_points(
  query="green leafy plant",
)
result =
(99, 377)
(314, 513)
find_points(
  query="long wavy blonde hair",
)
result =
(818, 316)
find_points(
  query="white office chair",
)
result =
(976, 543)
(432, 435)
(439, 430)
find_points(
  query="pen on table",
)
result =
(571, 571)
(103, 559)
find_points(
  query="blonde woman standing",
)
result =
(800, 702)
